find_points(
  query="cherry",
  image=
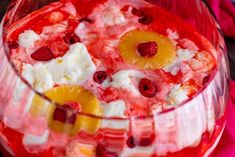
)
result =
(146, 20)
(71, 38)
(60, 115)
(100, 76)
(72, 109)
(146, 141)
(73, 105)
(13, 45)
(137, 12)
(205, 79)
(42, 54)
(131, 142)
(147, 88)
(147, 49)
(71, 119)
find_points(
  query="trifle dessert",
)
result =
(108, 68)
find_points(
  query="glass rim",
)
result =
(171, 109)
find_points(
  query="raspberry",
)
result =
(131, 142)
(100, 76)
(71, 119)
(65, 115)
(13, 45)
(60, 115)
(73, 105)
(146, 141)
(71, 38)
(146, 20)
(147, 88)
(42, 54)
(205, 79)
(137, 12)
(147, 49)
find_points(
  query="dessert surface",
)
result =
(134, 55)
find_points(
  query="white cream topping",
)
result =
(75, 66)
(113, 16)
(177, 95)
(38, 76)
(28, 73)
(182, 55)
(30, 139)
(114, 109)
(43, 79)
(70, 8)
(173, 35)
(124, 79)
(28, 38)
(195, 64)
(54, 29)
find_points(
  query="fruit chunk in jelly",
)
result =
(129, 42)
(65, 119)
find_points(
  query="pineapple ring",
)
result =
(128, 49)
(63, 94)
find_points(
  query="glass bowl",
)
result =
(192, 128)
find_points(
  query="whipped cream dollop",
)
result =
(182, 55)
(28, 38)
(124, 79)
(75, 67)
(177, 95)
(114, 109)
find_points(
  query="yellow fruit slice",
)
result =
(64, 94)
(79, 149)
(128, 49)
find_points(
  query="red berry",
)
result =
(71, 119)
(125, 8)
(137, 12)
(73, 105)
(13, 45)
(42, 54)
(86, 19)
(130, 142)
(147, 88)
(72, 109)
(146, 20)
(71, 38)
(65, 114)
(147, 49)
(60, 114)
(100, 76)
(146, 141)
(205, 79)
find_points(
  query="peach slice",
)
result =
(166, 51)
